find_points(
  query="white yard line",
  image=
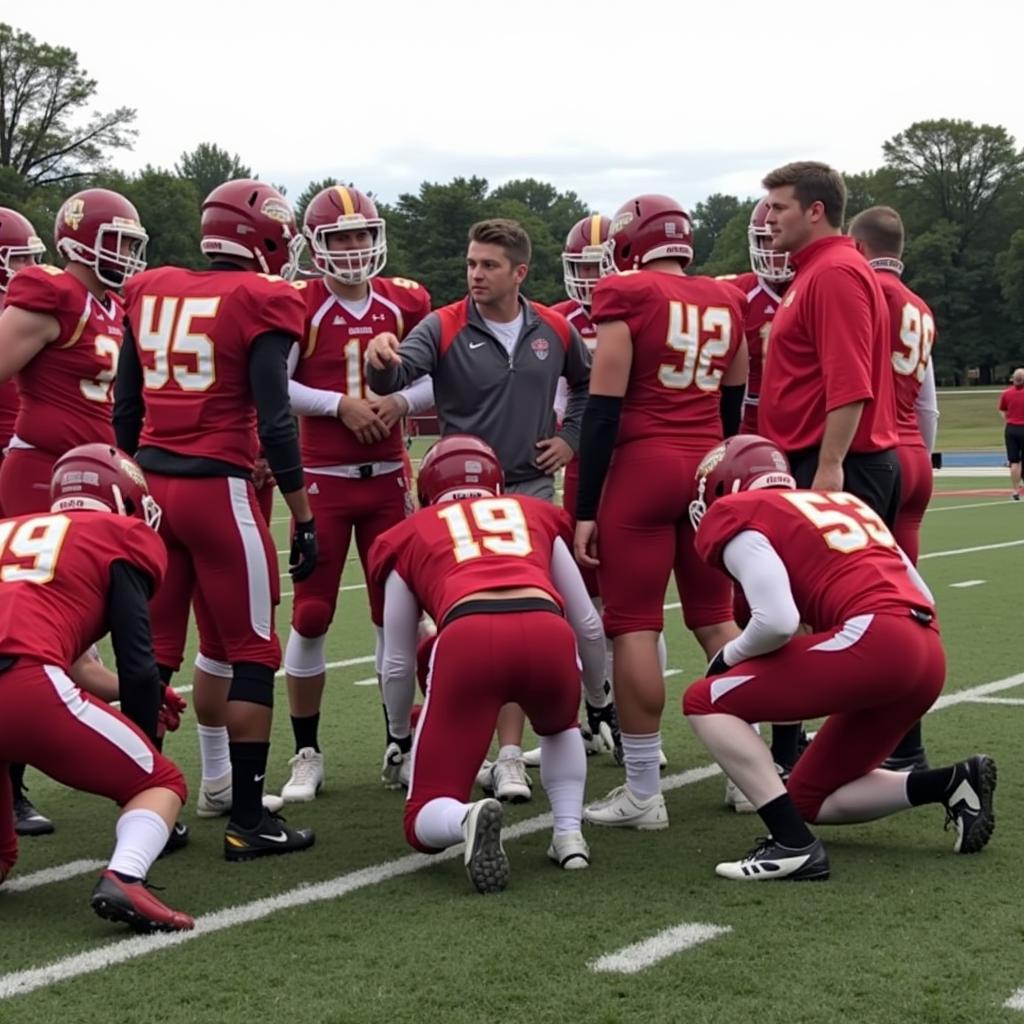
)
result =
(22, 883)
(991, 503)
(964, 584)
(971, 551)
(641, 955)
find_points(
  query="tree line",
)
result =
(958, 185)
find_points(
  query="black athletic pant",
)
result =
(874, 477)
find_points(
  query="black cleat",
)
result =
(969, 804)
(133, 904)
(177, 840)
(269, 838)
(769, 861)
(908, 763)
(28, 821)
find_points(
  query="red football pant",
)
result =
(265, 501)
(482, 662)
(570, 487)
(644, 534)
(25, 481)
(221, 553)
(916, 483)
(874, 677)
(342, 505)
(48, 722)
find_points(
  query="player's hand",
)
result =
(302, 560)
(171, 708)
(554, 454)
(717, 665)
(603, 727)
(390, 409)
(828, 477)
(262, 475)
(382, 352)
(584, 544)
(359, 415)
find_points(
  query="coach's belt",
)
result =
(363, 472)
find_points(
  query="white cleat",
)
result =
(662, 761)
(735, 799)
(307, 778)
(214, 797)
(485, 859)
(569, 850)
(621, 809)
(272, 803)
(396, 769)
(531, 758)
(510, 781)
(483, 777)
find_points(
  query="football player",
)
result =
(873, 662)
(494, 572)
(352, 446)
(70, 576)
(206, 366)
(669, 372)
(60, 335)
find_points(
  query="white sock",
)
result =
(563, 772)
(643, 774)
(662, 653)
(213, 751)
(509, 751)
(141, 837)
(439, 823)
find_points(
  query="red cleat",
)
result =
(135, 905)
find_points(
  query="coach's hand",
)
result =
(382, 351)
(302, 560)
(584, 544)
(360, 416)
(390, 409)
(262, 475)
(554, 454)
(828, 477)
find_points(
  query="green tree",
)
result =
(870, 188)
(208, 166)
(731, 252)
(43, 95)
(710, 218)
(168, 206)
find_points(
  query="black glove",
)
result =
(302, 560)
(603, 725)
(717, 665)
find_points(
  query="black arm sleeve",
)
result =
(128, 404)
(268, 378)
(732, 408)
(137, 673)
(597, 441)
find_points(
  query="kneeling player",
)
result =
(874, 663)
(496, 574)
(68, 577)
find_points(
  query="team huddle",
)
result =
(765, 439)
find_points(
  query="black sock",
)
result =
(18, 780)
(128, 879)
(305, 731)
(248, 770)
(912, 744)
(930, 785)
(785, 824)
(786, 744)
(388, 738)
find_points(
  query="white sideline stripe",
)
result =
(22, 982)
(1015, 701)
(992, 502)
(969, 695)
(59, 873)
(971, 551)
(963, 584)
(641, 955)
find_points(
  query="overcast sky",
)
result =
(609, 99)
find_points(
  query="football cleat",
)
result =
(531, 758)
(735, 798)
(510, 781)
(969, 805)
(569, 850)
(484, 779)
(215, 797)
(621, 809)
(662, 761)
(770, 861)
(307, 778)
(28, 821)
(485, 859)
(396, 769)
(133, 904)
(911, 762)
(177, 840)
(268, 839)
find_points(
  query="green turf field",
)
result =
(358, 930)
(969, 418)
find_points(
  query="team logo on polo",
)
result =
(541, 347)
(790, 296)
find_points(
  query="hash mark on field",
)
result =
(59, 873)
(964, 584)
(641, 955)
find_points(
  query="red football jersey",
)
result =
(762, 303)
(912, 335)
(685, 332)
(841, 558)
(456, 548)
(8, 404)
(54, 578)
(193, 330)
(829, 348)
(578, 316)
(66, 390)
(332, 359)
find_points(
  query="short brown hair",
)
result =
(812, 182)
(880, 228)
(509, 234)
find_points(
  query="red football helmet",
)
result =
(92, 228)
(650, 227)
(459, 466)
(746, 462)
(253, 220)
(337, 210)
(586, 257)
(764, 260)
(17, 238)
(102, 478)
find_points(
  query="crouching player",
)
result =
(874, 663)
(496, 574)
(68, 577)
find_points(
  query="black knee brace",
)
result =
(252, 683)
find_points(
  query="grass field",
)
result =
(358, 930)
(968, 418)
